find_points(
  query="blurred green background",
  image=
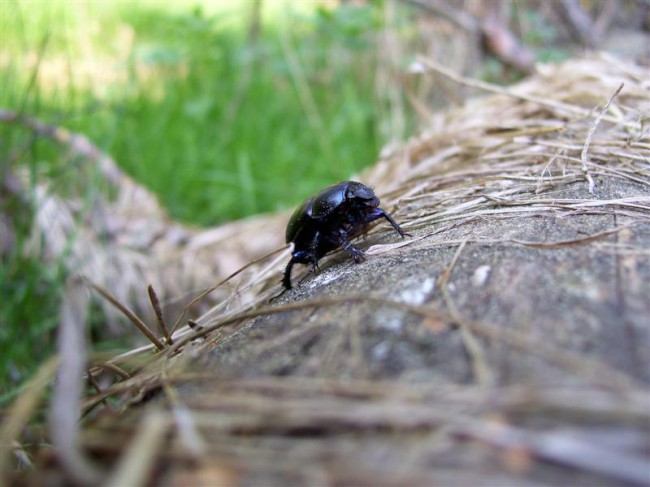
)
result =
(223, 109)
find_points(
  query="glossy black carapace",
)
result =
(330, 220)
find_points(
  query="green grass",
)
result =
(217, 125)
(29, 317)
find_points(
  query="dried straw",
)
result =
(501, 157)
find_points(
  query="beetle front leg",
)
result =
(300, 257)
(286, 279)
(357, 254)
(379, 213)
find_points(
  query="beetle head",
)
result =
(361, 193)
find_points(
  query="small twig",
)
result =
(584, 156)
(551, 160)
(219, 284)
(473, 83)
(444, 277)
(568, 243)
(481, 369)
(114, 368)
(139, 324)
(160, 319)
(93, 382)
(511, 133)
(428, 64)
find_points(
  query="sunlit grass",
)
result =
(180, 97)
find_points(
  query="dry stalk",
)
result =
(494, 160)
(162, 326)
(584, 156)
(133, 318)
(482, 372)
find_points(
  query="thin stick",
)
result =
(482, 85)
(160, 319)
(482, 372)
(114, 368)
(584, 155)
(93, 381)
(223, 281)
(448, 73)
(139, 324)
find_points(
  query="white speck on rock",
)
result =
(380, 350)
(481, 275)
(325, 278)
(391, 320)
(418, 295)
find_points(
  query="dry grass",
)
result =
(504, 156)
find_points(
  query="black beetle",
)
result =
(329, 220)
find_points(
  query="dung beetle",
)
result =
(329, 220)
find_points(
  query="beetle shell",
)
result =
(298, 219)
(324, 203)
(329, 220)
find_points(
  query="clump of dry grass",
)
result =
(501, 157)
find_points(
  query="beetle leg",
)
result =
(286, 279)
(301, 257)
(379, 213)
(356, 253)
